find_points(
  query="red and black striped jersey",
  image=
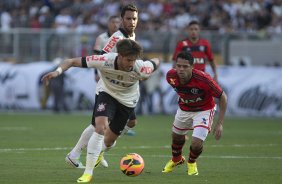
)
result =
(201, 51)
(198, 93)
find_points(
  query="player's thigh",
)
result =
(202, 122)
(203, 119)
(105, 105)
(183, 122)
(120, 119)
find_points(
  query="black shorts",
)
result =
(132, 116)
(118, 114)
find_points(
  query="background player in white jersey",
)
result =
(113, 26)
(117, 94)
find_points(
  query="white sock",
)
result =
(125, 130)
(94, 148)
(82, 142)
(105, 148)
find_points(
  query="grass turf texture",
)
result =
(33, 148)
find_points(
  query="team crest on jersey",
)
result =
(101, 107)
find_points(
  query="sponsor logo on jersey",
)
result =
(194, 100)
(116, 82)
(108, 64)
(112, 43)
(199, 60)
(194, 90)
(146, 70)
(95, 58)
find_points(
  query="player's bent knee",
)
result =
(132, 123)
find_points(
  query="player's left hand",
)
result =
(47, 77)
(217, 131)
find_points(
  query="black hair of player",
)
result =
(129, 7)
(185, 55)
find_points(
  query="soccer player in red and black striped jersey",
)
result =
(196, 91)
(199, 47)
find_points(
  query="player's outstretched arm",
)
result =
(217, 131)
(213, 66)
(65, 65)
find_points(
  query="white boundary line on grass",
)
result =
(133, 147)
(4, 150)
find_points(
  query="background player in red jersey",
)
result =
(196, 91)
(199, 47)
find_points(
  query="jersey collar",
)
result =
(124, 32)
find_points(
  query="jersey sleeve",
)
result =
(171, 78)
(144, 68)
(111, 43)
(95, 61)
(215, 89)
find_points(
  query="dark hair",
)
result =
(129, 7)
(185, 55)
(193, 22)
(128, 47)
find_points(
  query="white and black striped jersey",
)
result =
(121, 85)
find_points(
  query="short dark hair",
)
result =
(185, 55)
(129, 7)
(193, 22)
(128, 47)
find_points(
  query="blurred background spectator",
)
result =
(224, 16)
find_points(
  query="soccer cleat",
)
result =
(100, 158)
(130, 132)
(85, 178)
(104, 163)
(192, 169)
(74, 162)
(171, 165)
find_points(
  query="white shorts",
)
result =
(200, 122)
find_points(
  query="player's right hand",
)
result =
(47, 77)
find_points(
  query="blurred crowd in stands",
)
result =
(91, 15)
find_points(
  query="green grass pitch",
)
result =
(33, 148)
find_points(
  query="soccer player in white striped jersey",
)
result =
(129, 18)
(117, 94)
(113, 26)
